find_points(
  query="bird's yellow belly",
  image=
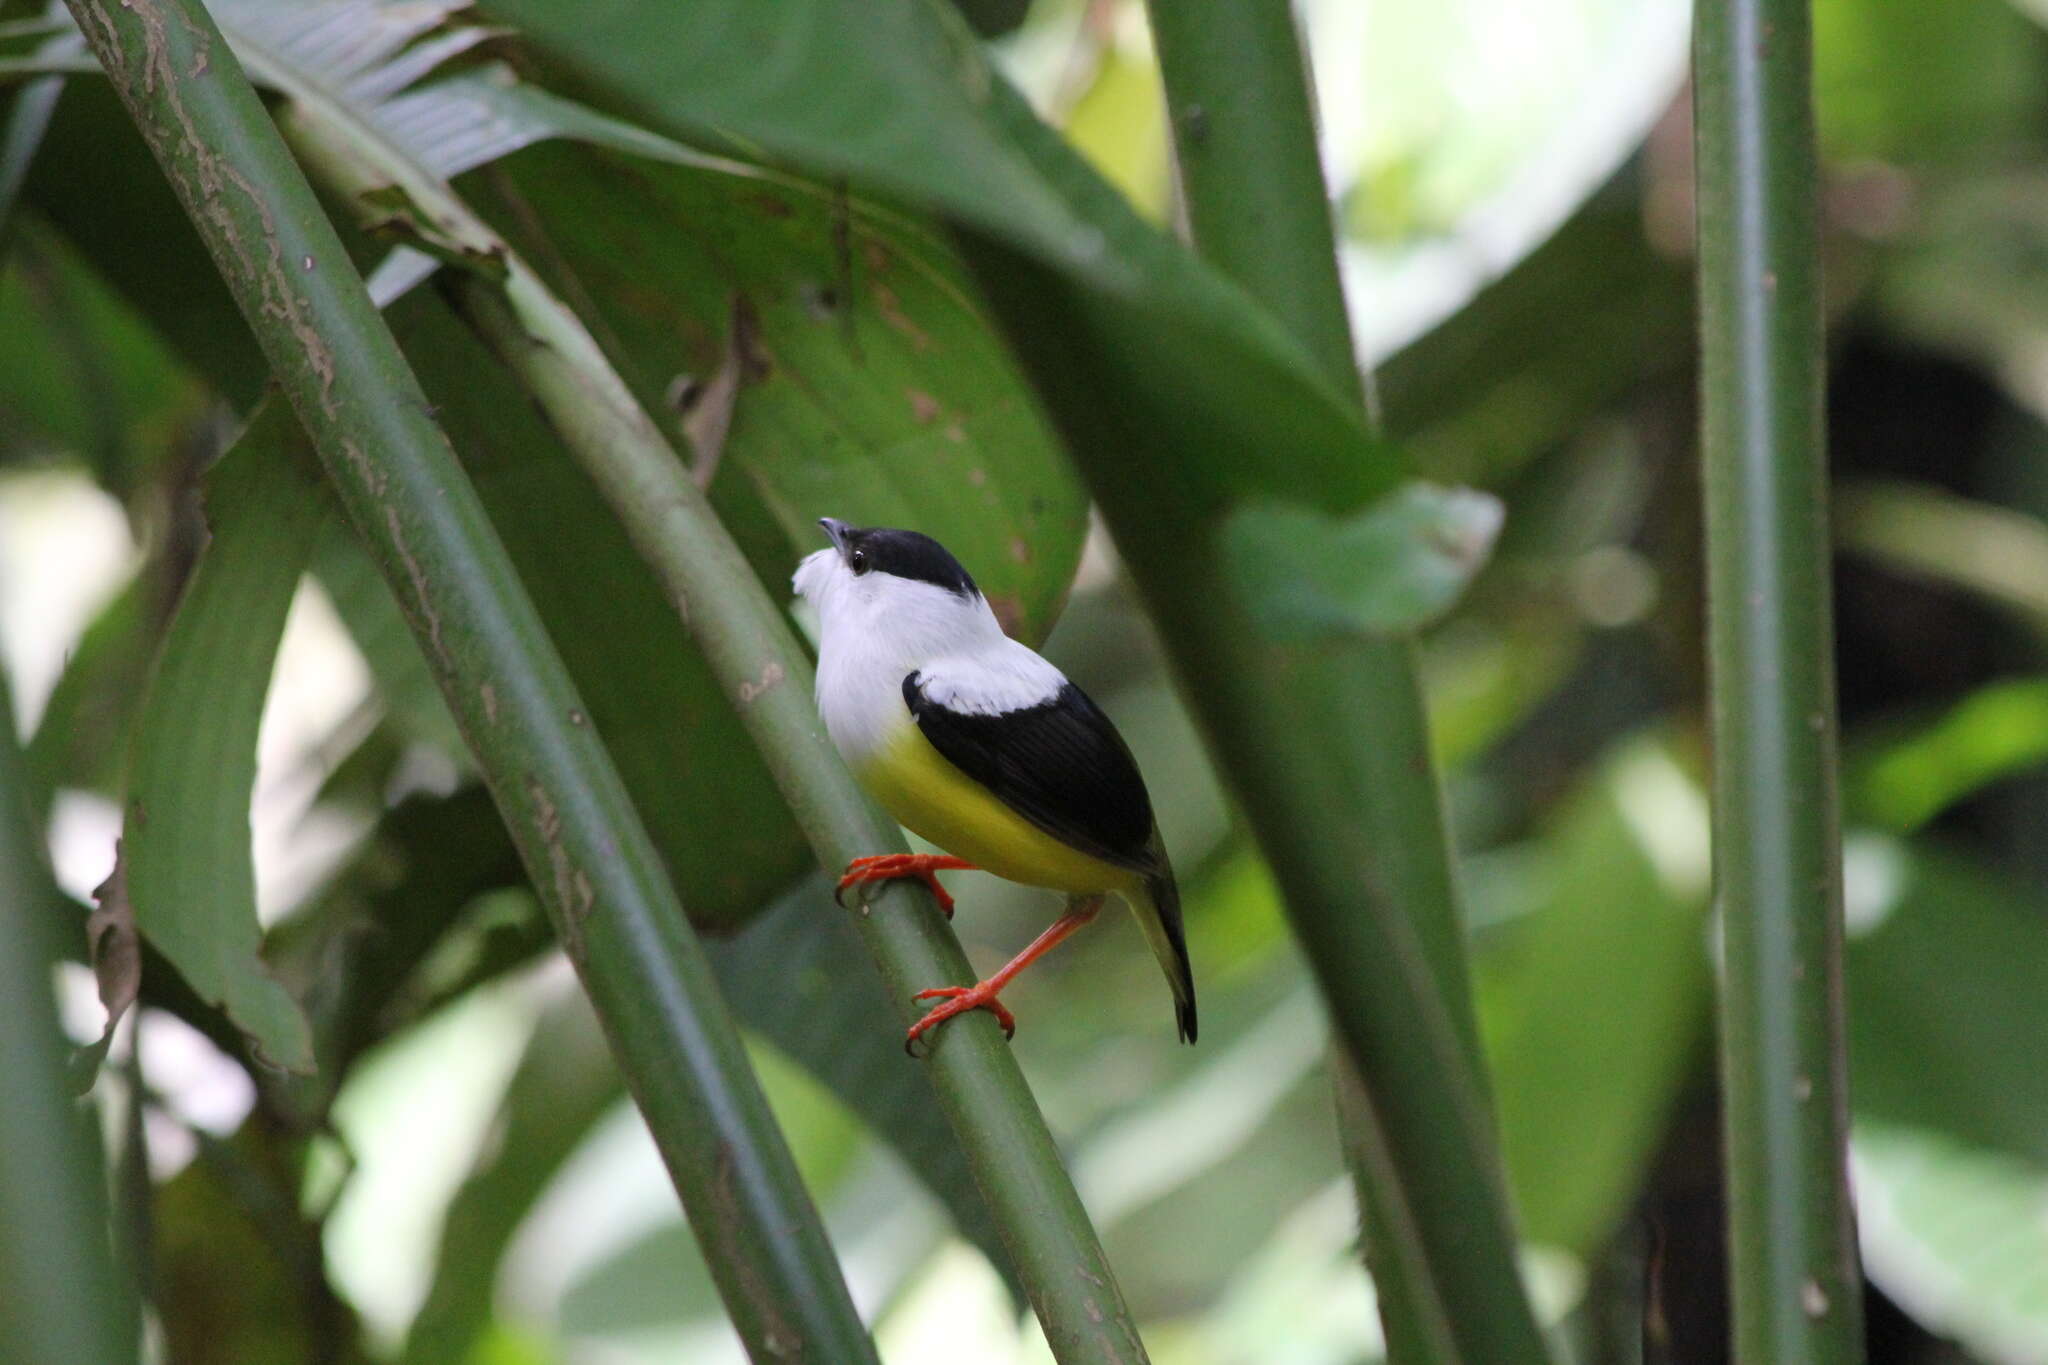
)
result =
(928, 795)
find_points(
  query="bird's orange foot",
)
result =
(889, 867)
(959, 1000)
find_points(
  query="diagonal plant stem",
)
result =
(554, 784)
(764, 669)
(63, 1301)
(1440, 1232)
(1777, 844)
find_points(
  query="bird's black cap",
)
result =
(905, 554)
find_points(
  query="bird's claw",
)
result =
(959, 1000)
(888, 867)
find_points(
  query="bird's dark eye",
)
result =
(858, 561)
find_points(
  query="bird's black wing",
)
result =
(1060, 764)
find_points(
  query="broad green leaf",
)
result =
(1945, 964)
(863, 364)
(186, 838)
(1125, 316)
(870, 386)
(887, 92)
(1594, 1004)
(1956, 1235)
(856, 377)
(1392, 567)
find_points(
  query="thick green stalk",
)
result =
(1777, 854)
(763, 667)
(1244, 128)
(62, 1302)
(560, 796)
(1244, 138)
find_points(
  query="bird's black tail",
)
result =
(1160, 919)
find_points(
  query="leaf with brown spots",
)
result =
(874, 388)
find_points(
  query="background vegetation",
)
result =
(407, 1139)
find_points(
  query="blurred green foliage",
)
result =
(1551, 368)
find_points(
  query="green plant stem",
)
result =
(1244, 139)
(1244, 131)
(560, 796)
(1777, 855)
(63, 1301)
(763, 668)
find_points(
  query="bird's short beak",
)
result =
(836, 529)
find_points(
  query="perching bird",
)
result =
(979, 745)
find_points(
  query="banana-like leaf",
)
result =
(857, 377)
(186, 848)
(867, 379)
(897, 96)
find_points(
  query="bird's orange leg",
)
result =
(982, 994)
(888, 867)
